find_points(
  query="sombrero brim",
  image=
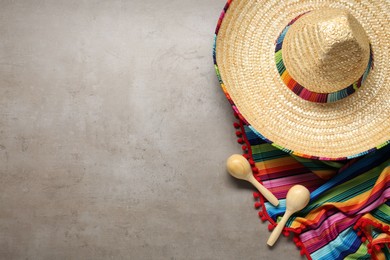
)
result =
(245, 64)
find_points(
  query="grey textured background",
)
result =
(114, 135)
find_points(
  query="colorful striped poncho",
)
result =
(348, 216)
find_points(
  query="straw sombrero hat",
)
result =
(310, 77)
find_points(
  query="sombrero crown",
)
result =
(291, 75)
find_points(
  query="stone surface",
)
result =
(114, 135)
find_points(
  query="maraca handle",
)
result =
(263, 190)
(278, 229)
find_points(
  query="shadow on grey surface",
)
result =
(240, 184)
(287, 240)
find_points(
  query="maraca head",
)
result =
(297, 198)
(238, 166)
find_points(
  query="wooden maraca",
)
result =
(297, 198)
(240, 168)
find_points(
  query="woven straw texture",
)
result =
(326, 50)
(348, 128)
